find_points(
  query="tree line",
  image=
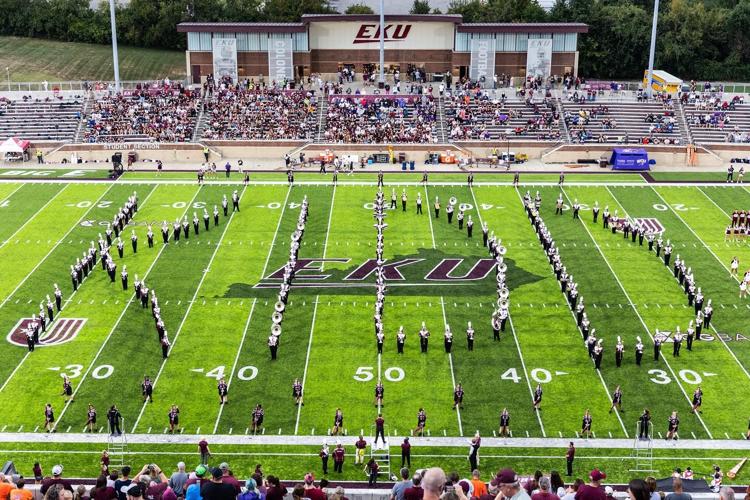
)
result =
(697, 39)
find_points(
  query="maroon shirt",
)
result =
(338, 455)
(274, 493)
(406, 447)
(586, 492)
(227, 479)
(107, 493)
(155, 492)
(361, 444)
(413, 493)
(315, 494)
(203, 446)
(379, 422)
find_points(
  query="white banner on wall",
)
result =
(225, 58)
(280, 59)
(482, 65)
(539, 57)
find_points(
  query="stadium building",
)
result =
(324, 44)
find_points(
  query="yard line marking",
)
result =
(33, 217)
(252, 307)
(77, 224)
(445, 320)
(635, 309)
(307, 360)
(192, 301)
(315, 311)
(234, 364)
(513, 330)
(742, 367)
(20, 185)
(54, 247)
(119, 318)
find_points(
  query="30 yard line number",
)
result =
(688, 376)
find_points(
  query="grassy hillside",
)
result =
(32, 59)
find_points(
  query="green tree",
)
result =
(420, 7)
(359, 8)
(508, 11)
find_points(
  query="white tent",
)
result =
(13, 145)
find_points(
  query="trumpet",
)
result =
(277, 318)
(279, 306)
(276, 330)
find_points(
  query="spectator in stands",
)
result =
(651, 483)
(677, 493)
(6, 485)
(55, 479)
(726, 493)
(479, 487)
(276, 490)
(19, 492)
(638, 490)
(557, 486)
(311, 491)
(81, 493)
(510, 487)
(251, 491)
(101, 491)
(338, 494)
(544, 492)
(593, 490)
(272, 113)
(433, 481)
(572, 490)
(228, 478)
(415, 492)
(216, 489)
(178, 480)
(122, 484)
(134, 492)
(397, 493)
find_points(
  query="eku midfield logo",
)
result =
(309, 272)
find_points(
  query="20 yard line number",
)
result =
(391, 374)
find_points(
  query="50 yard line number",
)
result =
(391, 374)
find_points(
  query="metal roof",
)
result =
(451, 18)
(523, 28)
(237, 27)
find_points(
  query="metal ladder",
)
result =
(117, 446)
(643, 451)
(382, 455)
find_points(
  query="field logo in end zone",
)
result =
(650, 224)
(59, 332)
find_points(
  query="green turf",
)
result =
(34, 60)
(689, 176)
(219, 321)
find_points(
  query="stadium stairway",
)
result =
(82, 122)
(440, 133)
(322, 112)
(200, 123)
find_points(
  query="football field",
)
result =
(217, 293)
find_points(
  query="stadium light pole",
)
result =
(652, 51)
(115, 59)
(382, 43)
